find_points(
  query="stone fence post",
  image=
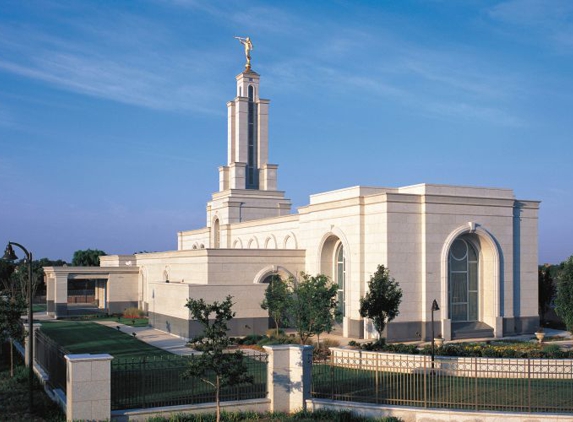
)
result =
(289, 376)
(88, 387)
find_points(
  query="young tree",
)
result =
(313, 306)
(228, 368)
(11, 328)
(277, 299)
(564, 297)
(87, 258)
(382, 301)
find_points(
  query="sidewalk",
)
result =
(159, 339)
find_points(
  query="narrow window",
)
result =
(463, 281)
(340, 274)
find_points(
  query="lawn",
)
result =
(442, 391)
(90, 337)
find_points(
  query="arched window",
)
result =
(340, 276)
(252, 153)
(216, 234)
(463, 281)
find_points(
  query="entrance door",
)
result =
(463, 281)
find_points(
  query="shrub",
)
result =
(250, 339)
(133, 313)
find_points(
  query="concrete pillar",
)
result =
(88, 387)
(27, 340)
(50, 295)
(289, 377)
(61, 295)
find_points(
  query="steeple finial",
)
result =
(248, 48)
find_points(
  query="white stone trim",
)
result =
(470, 227)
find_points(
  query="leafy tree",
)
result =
(87, 258)
(564, 296)
(382, 301)
(313, 306)
(277, 300)
(11, 328)
(546, 289)
(7, 284)
(228, 368)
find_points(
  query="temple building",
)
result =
(473, 250)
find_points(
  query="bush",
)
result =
(133, 313)
(251, 339)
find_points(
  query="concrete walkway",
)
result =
(159, 339)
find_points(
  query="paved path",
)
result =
(156, 338)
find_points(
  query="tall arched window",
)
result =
(252, 153)
(340, 275)
(216, 234)
(463, 281)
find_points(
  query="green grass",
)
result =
(89, 337)
(439, 391)
(39, 307)
(132, 322)
(14, 395)
(158, 381)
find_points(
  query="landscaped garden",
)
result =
(90, 337)
(489, 349)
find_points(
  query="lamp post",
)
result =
(11, 256)
(435, 307)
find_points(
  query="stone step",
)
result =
(474, 329)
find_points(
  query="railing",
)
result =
(161, 381)
(515, 385)
(50, 356)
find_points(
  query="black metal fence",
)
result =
(50, 356)
(530, 385)
(161, 381)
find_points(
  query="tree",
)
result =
(546, 289)
(277, 300)
(87, 258)
(382, 300)
(11, 328)
(229, 368)
(564, 296)
(313, 306)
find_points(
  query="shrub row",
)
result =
(487, 350)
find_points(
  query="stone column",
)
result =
(88, 387)
(27, 340)
(50, 295)
(289, 377)
(61, 295)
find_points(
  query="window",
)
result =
(463, 281)
(216, 234)
(252, 170)
(340, 276)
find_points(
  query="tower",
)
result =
(248, 183)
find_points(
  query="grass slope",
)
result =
(89, 337)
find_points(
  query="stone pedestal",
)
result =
(88, 395)
(289, 377)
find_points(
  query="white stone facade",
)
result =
(415, 231)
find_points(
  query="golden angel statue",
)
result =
(248, 48)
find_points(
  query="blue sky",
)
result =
(113, 115)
